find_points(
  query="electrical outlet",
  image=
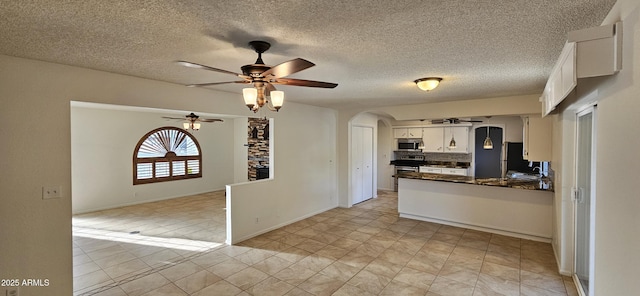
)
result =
(51, 192)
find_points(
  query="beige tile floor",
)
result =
(364, 250)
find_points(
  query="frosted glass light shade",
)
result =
(277, 98)
(250, 96)
(196, 126)
(185, 125)
(428, 83)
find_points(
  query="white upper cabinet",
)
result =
(461, 136)
(433, 139)
(437, 138)
(407, 133)
(400, 133)
(587, 53)
(562, 80)
(414, 133)
(537, 138)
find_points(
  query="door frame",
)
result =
(351, 199)
(472, 143)
(592, 199)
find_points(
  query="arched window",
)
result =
(165, 154)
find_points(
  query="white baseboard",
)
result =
(140, 202)
(479, 228)
(246, 237)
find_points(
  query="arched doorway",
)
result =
(488, 162)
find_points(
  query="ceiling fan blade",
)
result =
(210, 119)
(216, 83)
(199, 66)
(287, 68)
(437, 121)
(302, 82)
(177, 118)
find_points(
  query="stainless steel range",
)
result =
(408, 162)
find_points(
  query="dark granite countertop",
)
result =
(544, 184)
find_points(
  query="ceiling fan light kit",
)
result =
(191, 125)
(193, 121)
(263, 78)
(428, 83)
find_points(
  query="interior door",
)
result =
(356, 164)
(584, 201)
(362, 163)
(367, 163)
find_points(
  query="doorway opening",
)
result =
(488, 162)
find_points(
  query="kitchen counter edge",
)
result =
(544, 184)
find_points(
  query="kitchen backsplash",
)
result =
(452, 157)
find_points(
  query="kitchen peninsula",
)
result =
(513, 207)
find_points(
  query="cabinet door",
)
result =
(430, 170)
(461, 135)
(458, 172)
(400, 133)
(414, 132)
(433, 139)
(537, 139)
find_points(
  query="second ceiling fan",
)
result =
(263, 77)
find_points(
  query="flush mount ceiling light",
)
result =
(428, 83)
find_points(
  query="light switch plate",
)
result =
(49, 192)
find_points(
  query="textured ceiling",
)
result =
(372, 49)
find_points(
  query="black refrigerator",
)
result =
(514, 159)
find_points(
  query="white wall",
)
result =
(241, 152)
(102, 144)
(36, 146)
(386, 146)
(304, 175)
(617, 222)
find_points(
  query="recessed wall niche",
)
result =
(258, 154)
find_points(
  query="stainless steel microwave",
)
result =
(408, 144)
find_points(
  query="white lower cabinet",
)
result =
(444, 171)
(454, 171)
(430, 170)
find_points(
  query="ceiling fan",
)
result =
(262, 76)
(452, 120)
(193, 121)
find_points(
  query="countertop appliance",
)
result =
(408, 145)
